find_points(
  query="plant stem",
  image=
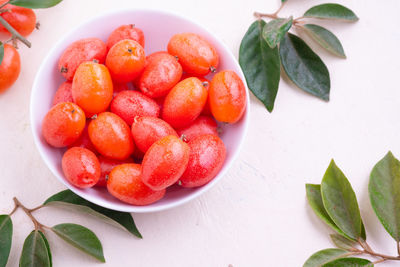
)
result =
(35, 209)
(274, 15)
(2, 5)
(14, 33)
(279, 9)
(259, 15)
(368, 250)
(28, 212)
(12, 212)
(398, 248)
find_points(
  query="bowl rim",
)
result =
(132, 208)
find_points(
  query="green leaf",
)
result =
(6, 231)
(274, 30)
(314, 197)
(349, 262)
(304, 67)
(260, 65)
(331, 11)
(340, 201)
(67, 198)
(283, 1)
(80, 237)
(342, 242)
(321, 257)
(1, 52)
(47, 247)
(325, 38)
(384, 193)
(34, 252)
(35, 3)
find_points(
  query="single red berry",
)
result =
(124, 182)
(81, 167)
(129, 104)
(207, 156)
(147, 130)
(164, 162)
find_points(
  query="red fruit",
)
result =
(111, 136)
(202, 125)
(23, 20)
(92, 88)
(125, 183)
(164, 162)
(125, 60)
(161, 73)
(10, 67)
(63, 93)
(84, 141)
(147, 130)
(63, 124)
(125, 32)
(206, 84)
(184, 102)
(207, 155)
(227, 97)
(129, 104)
(106, 166)
(196, 55)
(87, 49)
(81, 167)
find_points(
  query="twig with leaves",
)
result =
(267, 46)
(335, 202)
(36, 249)
(15, 35)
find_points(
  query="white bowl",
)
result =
(158, 27)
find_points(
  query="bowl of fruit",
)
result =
(139, 110)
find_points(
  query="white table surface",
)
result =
(257, 215)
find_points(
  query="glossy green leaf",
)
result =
(260, 65)
(349, 262)
(69, 199)
(331, 11)
(342, 242)
(340, 201)
(47, 247)
(6, 231)
(314, 197)
(304, 67)
(384, 193)
(80, 237)
(321, 257)
(34, 252)
(283, 1)
(274, 30)
(35, 3)
(325, 38)
(1, 52)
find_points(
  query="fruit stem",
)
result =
(14, 32)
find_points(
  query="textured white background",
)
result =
(257, 215)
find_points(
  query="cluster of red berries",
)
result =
(138, 124)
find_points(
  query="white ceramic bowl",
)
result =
(158, 26)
